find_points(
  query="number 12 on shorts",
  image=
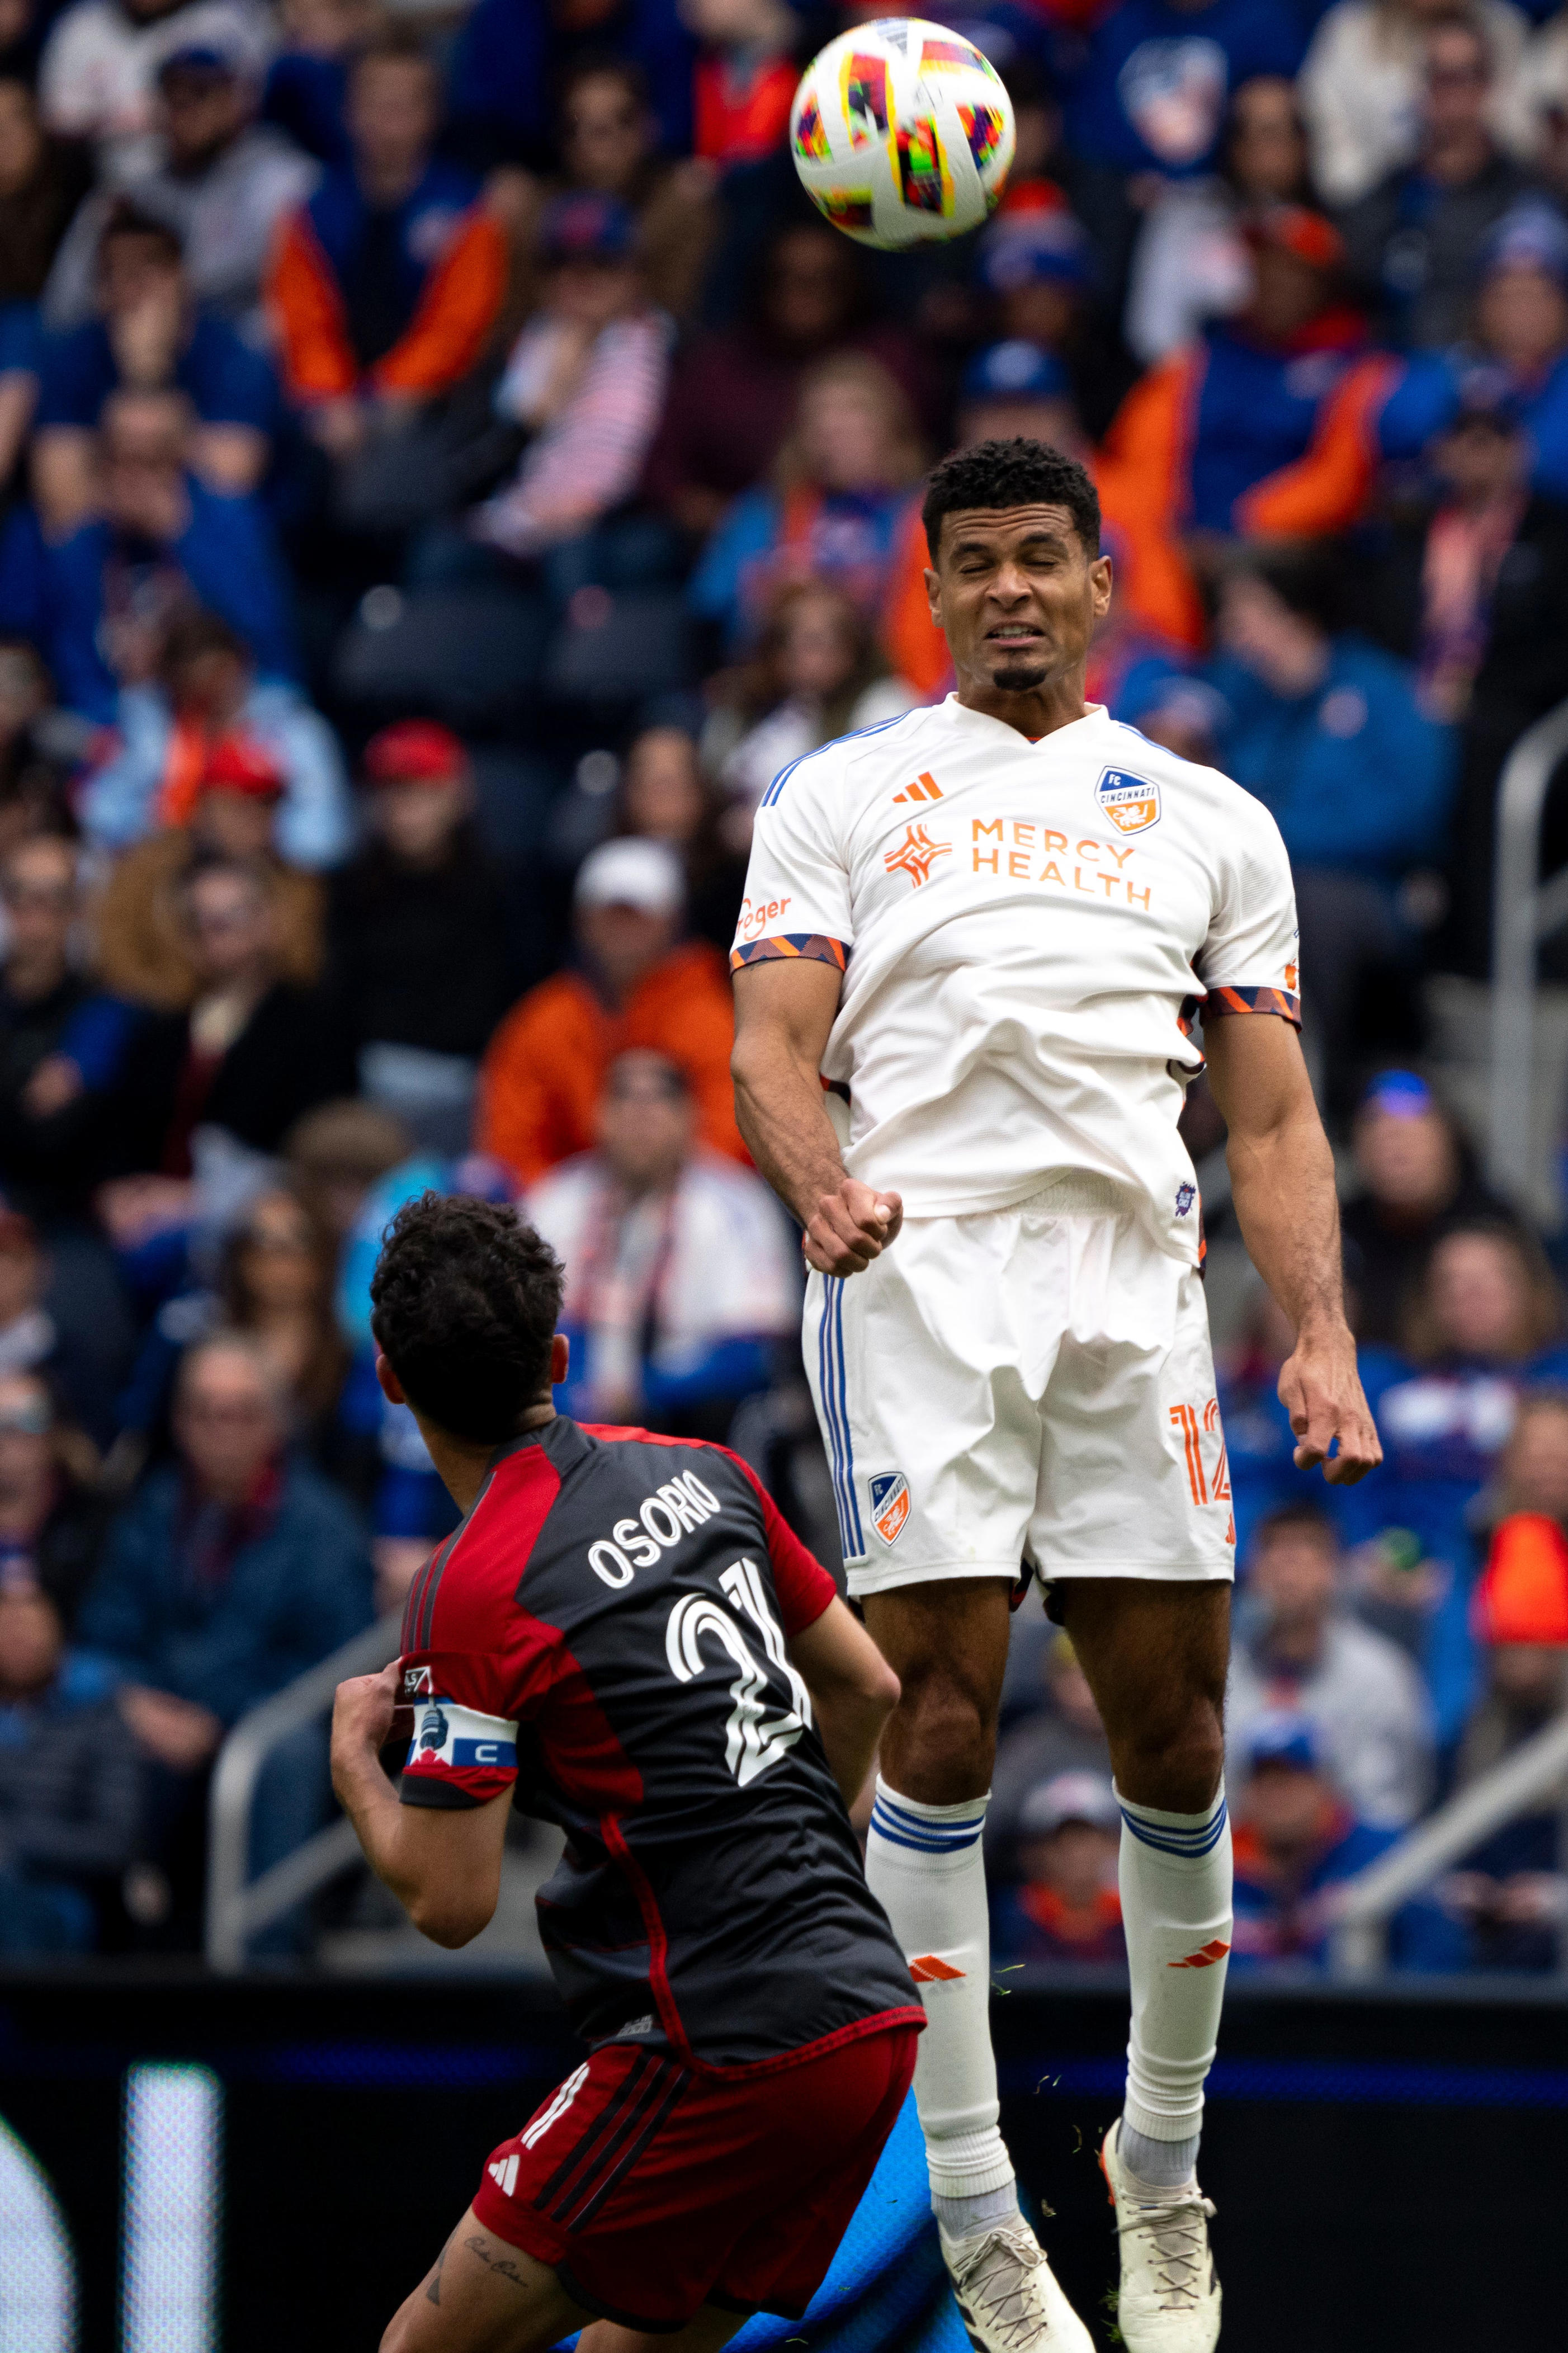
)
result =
(1197, 1424)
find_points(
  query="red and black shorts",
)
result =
(654, 2188)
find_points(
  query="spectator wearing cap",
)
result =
(1257, 429)
(418, 937)
(1483, 1328)
(385, 286)
(733, 391)
(205, 723)
(1513, 358)
(1511, 1892)
(1191, 262)
(1150, 95)
(144, 941)
(70, 1793)
(1299, 1649)
(1415, 1174)
(97, 78)
(630, 985)
(223, 183)
(584, 382)
(1297, 1840)
(1040, 272)
(1326, 728)
(680, 1283)
(1063, 1903)
(1411, 242)
(149, 333)
(844, 506)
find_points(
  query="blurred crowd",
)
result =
(447, 470)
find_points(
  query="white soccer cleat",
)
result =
(1170, 2295)
(1007, 2295)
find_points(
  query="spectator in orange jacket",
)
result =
(384, 285)
(632, 987)
(1263, 428)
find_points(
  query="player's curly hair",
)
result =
(1015, 473)
(464, 1303)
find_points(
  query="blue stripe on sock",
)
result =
(924, 1846)
(1193, 1844)
(950, 1819)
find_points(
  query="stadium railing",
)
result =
(237, 1907)
(1364, 1905)
(1523, 914)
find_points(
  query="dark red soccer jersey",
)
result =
(606, 1631)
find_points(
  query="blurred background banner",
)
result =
(201, 2169)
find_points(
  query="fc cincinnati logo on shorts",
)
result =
(889, 1505)
(1130, 803)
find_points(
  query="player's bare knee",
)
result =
(940, 1740)
(1175, 1761)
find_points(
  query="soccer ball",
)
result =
(901, 131)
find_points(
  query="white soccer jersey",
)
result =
(1025, 931)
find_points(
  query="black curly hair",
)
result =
(464, 1303)
(1015, 473)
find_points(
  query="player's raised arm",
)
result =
(784, 1008)
(1282, 1178)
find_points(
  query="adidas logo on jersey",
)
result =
(667, 1514)
(504, 2174)
(924, 788)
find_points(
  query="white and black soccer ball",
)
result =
(901, 131)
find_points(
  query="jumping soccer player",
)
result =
(972, 945)
(624, 1632)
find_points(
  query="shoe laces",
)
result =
(998, 2272)
(1177, 2229)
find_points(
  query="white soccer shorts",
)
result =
(1026, 1384)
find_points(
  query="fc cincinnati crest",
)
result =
(889, 1505)
(1130, 802)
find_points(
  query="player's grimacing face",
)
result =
(1016, 595)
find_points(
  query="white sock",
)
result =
(1175, 1877)
(927, 1868)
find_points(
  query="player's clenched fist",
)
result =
(849, 1227)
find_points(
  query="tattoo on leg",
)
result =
(434, 2291)
(501, 2264)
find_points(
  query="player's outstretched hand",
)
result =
(1321, 1390)
(849, 1227)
